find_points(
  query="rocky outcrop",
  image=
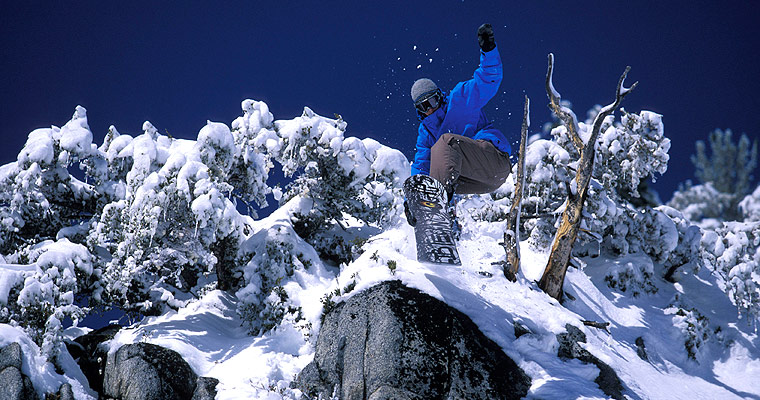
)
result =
(394, 342)
(205, 389)
(569, 347)
(14, 384)
(147, 371)
(91, 354)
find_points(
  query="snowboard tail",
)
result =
(426, 198)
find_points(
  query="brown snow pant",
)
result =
(464, 165)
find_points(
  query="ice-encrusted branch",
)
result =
(566, 115)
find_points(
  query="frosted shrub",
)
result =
(251, 162)
(268, 275)
(627, 152)
(732, 252)
(38, 196)
(729, 166)
(631, 151)
(702, 204)
(546, 180)
(341, 176)
(653, 233)
(546, 174)
(41, 298)
(750, 206)
(687, 252)
(602, 220)
(693, 329)
(631, 275)
(163, 235)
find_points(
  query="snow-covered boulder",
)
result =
(91, 354)
(15, 384)
(143, 371)
(393, 342)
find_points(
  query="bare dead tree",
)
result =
(556, 268)
(512, 233)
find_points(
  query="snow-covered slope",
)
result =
(208, 333)
(665, 340)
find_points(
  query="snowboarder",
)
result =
(456, 144)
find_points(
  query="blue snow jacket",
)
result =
(461, 113)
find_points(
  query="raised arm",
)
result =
(476, 92)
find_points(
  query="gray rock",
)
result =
(146, 371)
(65, 392)
(393, 342)
(641, 350)
(569, 347)
(91, 355)
(14, 384)
(205, 389)
(10, 356)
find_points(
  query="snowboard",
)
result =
(426, 199)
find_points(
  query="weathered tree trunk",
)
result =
(512, 233)
(556, 268)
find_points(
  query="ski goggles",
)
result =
(432, 100)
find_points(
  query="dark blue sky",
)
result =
(178, 64)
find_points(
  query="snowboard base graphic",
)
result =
(426, 198)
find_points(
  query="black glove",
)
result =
(485, 38)
(409, 217)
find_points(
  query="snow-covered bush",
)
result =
(693, 328)
(631, 151)
(162, 235)
(546, 180)
(626, 153)
(546, 174)
(732, 252)
(730, 166)
(342, 176)
(662, 233)
(251, 162)
(38, 196)
(41, 296)
(702, 204)
(275, 255)
(750, 206)
(631, 275)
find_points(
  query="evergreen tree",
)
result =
(728, 167)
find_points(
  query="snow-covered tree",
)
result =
(278, 263)
(250, 167)
(43, 294)
(163, 234)
(730, 166)
(38, 195)
(722, 206)
(732, 252)
(703, 204)
(343, 177)
(725, 176)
